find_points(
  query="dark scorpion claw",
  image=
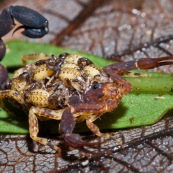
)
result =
(33, 23)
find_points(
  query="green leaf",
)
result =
(12, 124)
(151, 96)
(147, 82)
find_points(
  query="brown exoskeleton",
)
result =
(70, 88)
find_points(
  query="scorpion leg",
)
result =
(115, 70)
(36, 113)
(35, 56)
(94, 128)
(11, 94)
(67, 125)
(143, 63)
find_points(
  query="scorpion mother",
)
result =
(69, 88)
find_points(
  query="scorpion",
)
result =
(68, 88)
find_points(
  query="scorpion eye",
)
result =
(96, 86)
(63, 55)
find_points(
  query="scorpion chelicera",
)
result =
(69, 88)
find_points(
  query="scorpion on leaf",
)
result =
(68, 88)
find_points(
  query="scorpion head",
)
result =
(101, 92)
(99, 99)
